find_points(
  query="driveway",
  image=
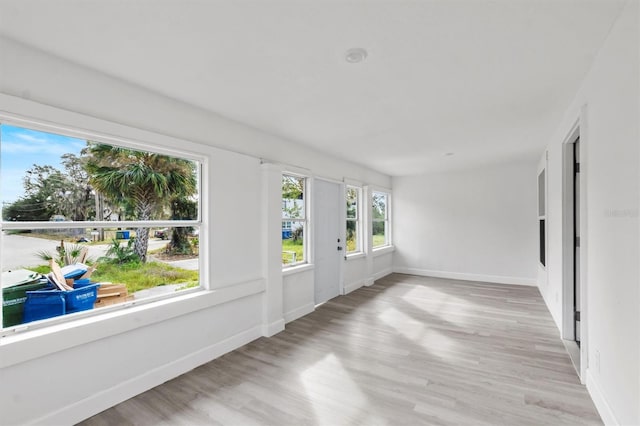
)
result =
(19, 251)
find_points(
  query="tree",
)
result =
(145, 180)
(292, 190)
(80, 194)
(352, 207)
(27, 209)
(49, 191)
(50, 187)
(379, 202)
(182, 208)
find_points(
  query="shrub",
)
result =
(120, 254)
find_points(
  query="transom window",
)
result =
(294, 220)
(380, 219)
(87, 224)
(354, 234)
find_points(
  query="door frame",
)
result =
(342, 218)
(568, 241)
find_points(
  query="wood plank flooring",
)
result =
(407, 351)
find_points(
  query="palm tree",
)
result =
(144, 180)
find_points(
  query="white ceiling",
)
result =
(485, 79)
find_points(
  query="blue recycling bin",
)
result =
(122, 235)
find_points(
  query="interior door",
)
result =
(328, 247)
(576, 227)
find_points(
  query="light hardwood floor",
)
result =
(408, 350)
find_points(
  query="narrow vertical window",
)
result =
(354, 237)
(380, 219)
(294, 220)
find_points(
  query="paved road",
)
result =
(19, 251)
(190, 264)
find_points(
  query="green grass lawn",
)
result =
(139, 276)
(378, 240)
(296, 246)
(292, 246)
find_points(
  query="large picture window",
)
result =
(87, 224)
(380, 219)
(354, 234)
(294, 220)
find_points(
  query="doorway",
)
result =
(328, 239)
(573, 283)
(576, 240)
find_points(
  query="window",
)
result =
(380, 219)
(542, 199)
(87, 225)
(354, 238)
(294, 220)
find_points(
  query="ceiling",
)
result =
(487, 80)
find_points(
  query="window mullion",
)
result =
(100, 224)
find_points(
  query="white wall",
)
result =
(474, 224)
(607, 108)
(354, 271)
(65, 373)
(299, 296)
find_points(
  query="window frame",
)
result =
(357, 220)
(304, 221)
(386, 220)
(130, 143)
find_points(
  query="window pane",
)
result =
(50, 177)
(379, 213)
(352, 236)
(379, 234)
(293, 244)
(292, 197)
(379, 205)
(352, 203)
(171, 266)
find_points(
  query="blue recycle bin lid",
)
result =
(74, 271)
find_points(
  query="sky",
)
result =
(21, 148)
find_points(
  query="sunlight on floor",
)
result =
(432, 340)
(418, 295)
(334, 395)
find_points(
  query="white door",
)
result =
(328, 245)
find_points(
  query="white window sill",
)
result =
(39, 342)
(297, 269)
(379, 251)
(354, 256)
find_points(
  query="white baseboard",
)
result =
(299, 312)
(94, 404)
(274, 328)
(369, 282)
(497, 279)
(353, 286)
(382, 274)
(600, 401)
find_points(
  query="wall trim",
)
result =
(96, 403)
(496, 279)
(600, 401)
(294, 314)
(274, 328)
(353, 286)
(383, 273)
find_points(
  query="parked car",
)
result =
(163, 234)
